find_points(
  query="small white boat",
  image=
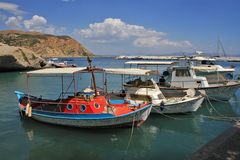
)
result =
(149, 92)
(188, 101)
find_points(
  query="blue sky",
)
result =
(131, 27)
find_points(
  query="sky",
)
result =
(132, 27)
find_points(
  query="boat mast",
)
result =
(220, 47)
(93, 76)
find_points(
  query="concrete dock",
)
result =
(226, 146)
(229, 59)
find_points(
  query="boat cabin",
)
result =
(185, 77)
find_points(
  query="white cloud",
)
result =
(156, 41)
(14, 22)
(35, 22)
(51, 29)
(116, 29)
(40, 24)
(113, 30)
(11, 7)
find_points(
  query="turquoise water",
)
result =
(174, 137)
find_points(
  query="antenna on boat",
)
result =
(91, 69)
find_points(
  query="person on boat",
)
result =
(162, 81)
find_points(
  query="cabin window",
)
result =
(182, 73)
(83, 108)
(96, 105)
(69, 107)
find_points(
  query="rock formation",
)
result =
(25, 50)
(18, 58)
(44, 45)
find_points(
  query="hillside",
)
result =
(18, 58)
(44, 45)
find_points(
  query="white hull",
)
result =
(214, 93)
(221, 93)
(180, 107)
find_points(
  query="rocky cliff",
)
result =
(18, 58)
(44, 45)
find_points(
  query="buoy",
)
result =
(27, 109)
(30, 112)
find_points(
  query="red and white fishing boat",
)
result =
(86, 109)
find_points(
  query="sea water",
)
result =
(160, 137)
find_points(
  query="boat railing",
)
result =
(139, 86)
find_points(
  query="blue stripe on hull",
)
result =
(78, 121)
(82, 116)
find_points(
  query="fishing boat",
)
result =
(54, 62)
(181, 78)
(138, 92)
(206, 66)
(187, 101)
(177, 78)
(86, 109)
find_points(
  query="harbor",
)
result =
(186, 132)
(121, 80)
(220, 59)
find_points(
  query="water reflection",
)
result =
(88, 143)
(235, 103)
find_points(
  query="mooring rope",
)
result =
(234, 119)
(220, 115)
(213, 106)
(222, 100)
(168, 115)
(131, 135)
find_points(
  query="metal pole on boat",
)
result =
(62, 87)
(103, 79)
(122, 82)
(27, 86)
(105, 83)
(93, 76)
(28, 110)
(74, 81)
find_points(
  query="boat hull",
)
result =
(92, 121)
(223, 93)
(180, 107)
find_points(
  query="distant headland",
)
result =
(21, 50)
